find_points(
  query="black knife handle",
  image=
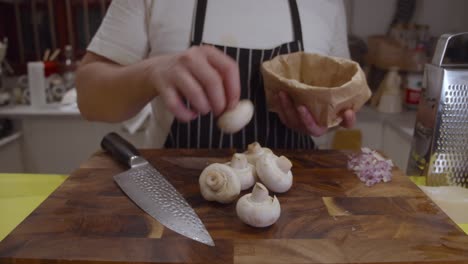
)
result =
(119, 148)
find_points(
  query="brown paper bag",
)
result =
(325, 85)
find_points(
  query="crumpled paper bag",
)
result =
(325, 85)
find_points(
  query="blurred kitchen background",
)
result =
(391, 40)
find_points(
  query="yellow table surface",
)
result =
(20, 194)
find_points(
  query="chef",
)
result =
(192, 60)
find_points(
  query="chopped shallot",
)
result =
(370, 167)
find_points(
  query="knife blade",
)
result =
(147, 188)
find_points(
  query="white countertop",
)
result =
(402, 122)
(49, 110)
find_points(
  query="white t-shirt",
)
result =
(136, 29)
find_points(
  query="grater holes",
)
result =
(451, 154)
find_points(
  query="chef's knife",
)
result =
(152, 192)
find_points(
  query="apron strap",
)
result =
(199, 22)
(296, 20)
(197, 36)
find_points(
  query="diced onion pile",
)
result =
(370, 167)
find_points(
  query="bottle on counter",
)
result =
(413, 89)
(37, 84)
(388, 98)
(414, 80)
(391, 97)
(69, 68)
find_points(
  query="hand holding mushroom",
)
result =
(234, 120)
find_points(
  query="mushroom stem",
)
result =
(284, 164)
(254, 148)
(215, 181)
(238, 161)
(259, 193)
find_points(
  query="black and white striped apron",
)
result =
(265, 127)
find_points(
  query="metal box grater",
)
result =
(439, 149)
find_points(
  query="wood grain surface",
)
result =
(328, 216)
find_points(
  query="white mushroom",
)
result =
(275, 172)
(218, 182)
(255, 151)
(235, 119)
(244, 170)
(258, 209)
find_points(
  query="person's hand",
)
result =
(204, 76)
(301, 120)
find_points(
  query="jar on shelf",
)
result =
(414, 80)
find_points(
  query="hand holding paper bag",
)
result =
(326, 86)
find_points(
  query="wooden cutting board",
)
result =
(328, 216)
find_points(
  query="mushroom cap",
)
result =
(271, 172)
(247, 176)
(255, 151)
(244, 170)
(257, 213)
(218, 182)
(235, 119)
